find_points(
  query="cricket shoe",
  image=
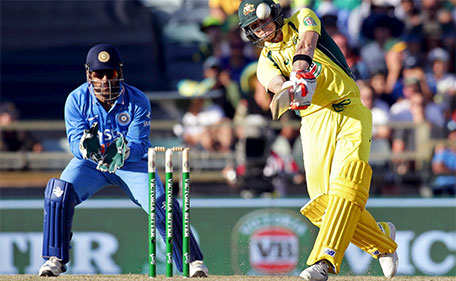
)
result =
(52, 267)
(198, 269)
(317, 272)
(389, 262)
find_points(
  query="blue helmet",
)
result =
(104, 59)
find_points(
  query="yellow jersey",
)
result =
(334, 77)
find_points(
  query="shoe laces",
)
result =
(321, 267)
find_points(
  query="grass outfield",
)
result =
(213, 278)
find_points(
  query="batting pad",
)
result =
(367, 236)
(346, 200)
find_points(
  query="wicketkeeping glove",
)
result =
(89, 144)
(303, 87)
(115, 156)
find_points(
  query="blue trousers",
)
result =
(134, 180)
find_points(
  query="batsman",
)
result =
(107, 125)
(305, 70)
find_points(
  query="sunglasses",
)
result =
(109, 73)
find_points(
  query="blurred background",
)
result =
(199, 73)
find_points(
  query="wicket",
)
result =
(168, 185)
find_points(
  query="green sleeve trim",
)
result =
(293, 26)
(327, 45)
(269, 56)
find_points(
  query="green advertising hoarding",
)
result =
(237, 236)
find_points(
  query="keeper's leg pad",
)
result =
(195, 251)
(59, 203)
(347, 198)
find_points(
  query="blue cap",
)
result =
(103, 56)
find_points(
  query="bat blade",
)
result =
(280, 103)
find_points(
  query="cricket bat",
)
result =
(280, 103)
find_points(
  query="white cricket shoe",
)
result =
(198, 269)
(389, 262)
(52, 267)
(316, 272)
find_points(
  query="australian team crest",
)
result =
(123, 118)
(309, 21)
(248, 9)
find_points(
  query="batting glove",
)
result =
(115, 156)
(303, 86)
(89, 144)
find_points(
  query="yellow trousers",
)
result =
(335, 140)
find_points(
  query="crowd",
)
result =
(15, 140)
(402, 54)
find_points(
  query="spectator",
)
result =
(378, 83)
(442, 82)
(206, 127)
(436, 24)
(15, 140)
(444, 164)
(394, 57)
(206, 123)
(225, 93)
(381, 133)
(327, 12)
(222, 9)
(408, 12)
(410, 69)
(355, 20)
(404, 138)
(379, 28)
(255, 98)
(252, 148)
(401, 110)
(236, 60)
(413, 109)
(282, 164)
(357, 66)
(229, 94)
(379, 109)
(212, 27)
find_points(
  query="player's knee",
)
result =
(353, 182)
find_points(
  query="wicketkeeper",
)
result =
(107, 125)
(307, 72)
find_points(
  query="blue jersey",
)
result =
(129, 116)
